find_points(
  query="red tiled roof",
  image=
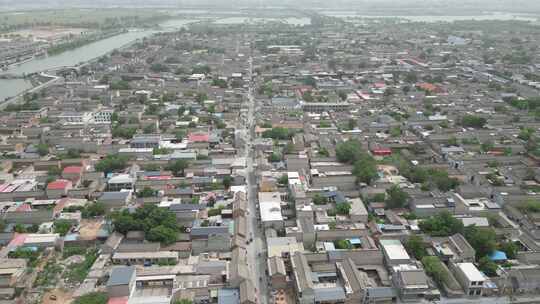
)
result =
(72, 170)
(24, 208)
(118, 300)
(17, 240)
(428, 86)
(198, 137)
(380, 85)
(159, 177)
(59, 184)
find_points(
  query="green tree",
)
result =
(19, 228)
(219, 83)
(160, 151)
(319, 199)
(227, 181)
(93, 210)
(434, 268)
(274, 157)
(180, 134)
(92, 298)
(158, 68)
(487, 266)
(510, 248)
(148, 218)
(121, 131)
(483, 240)
(124, 223)
(162, 234)
(411, 77)
(201, 69)
(342, 244)
(395, 131)
(415, 246)
(323, 152)
(348, 152)
(177, 167)
(351, 124)
(332, 225)
(62, 227)
(343, 208)
(365, 169)
(396, 198)
(472, 121)
(120, 85)
(111, 163)
(442, 224)
(147, 192)
(283, 180)
(278, 133)
(42, 149)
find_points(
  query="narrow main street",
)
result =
(255, 250)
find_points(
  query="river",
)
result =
(438, 18)
(12, 87)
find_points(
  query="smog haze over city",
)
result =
(269, 151)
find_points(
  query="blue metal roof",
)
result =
(228, 296)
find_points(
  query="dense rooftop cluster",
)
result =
(339, 162)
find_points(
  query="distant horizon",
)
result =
(435, 7)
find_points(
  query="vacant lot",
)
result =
(89, 228)
(61, 297)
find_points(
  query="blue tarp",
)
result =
(355, 241)
(498, 256)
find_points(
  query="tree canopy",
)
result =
(349, 151)
(112, 163)
(483, 240)
(473, 121)
(442, 224)
(415, 246)
(62, 227)
(177, 167)
(159, 224)
(433, 267)
(278, 133)
(396, 198)
(343, 208)
(92, 298)
(365, 166)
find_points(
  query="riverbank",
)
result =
(78, 56)
(81, 41)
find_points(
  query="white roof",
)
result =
(146, 255)
(121, 179)
(269, 197)
(395, 250)
(471, 272)
(293, 175)
(271, 211)
(41, 238)
(478, 221)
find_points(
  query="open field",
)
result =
(88, 18)
(48, 32)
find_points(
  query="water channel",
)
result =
(12, 87)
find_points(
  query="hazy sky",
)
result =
(449, 6)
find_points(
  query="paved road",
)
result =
(256, 249)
